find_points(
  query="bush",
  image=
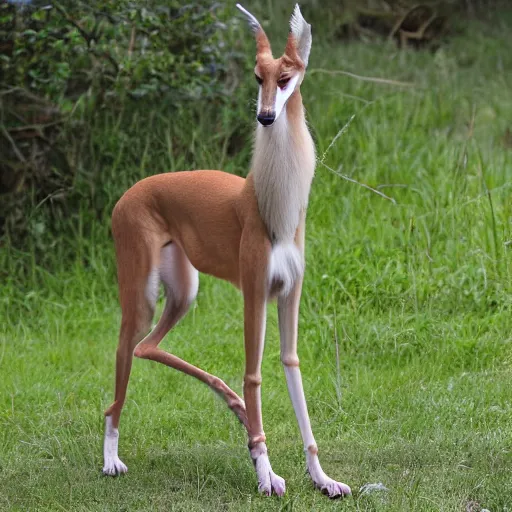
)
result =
(115, 48)
(68, 66)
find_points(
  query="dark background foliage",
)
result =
(77, 83)
(80, 81)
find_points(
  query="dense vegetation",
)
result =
(79, 81)
(405, 328)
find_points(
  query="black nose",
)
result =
(266, 119)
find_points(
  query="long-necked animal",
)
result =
(249, 232)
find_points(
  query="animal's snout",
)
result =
(266, 118)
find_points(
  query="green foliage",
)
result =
(405, 323)
(78, 88)
(112, 49)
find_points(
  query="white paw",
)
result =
(112, 463)
(114, 466)
(327, 485)
(271, 483)
(334, 489)
(278, 484)
(268, 481)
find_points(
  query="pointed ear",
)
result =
(262, 42)
(300, 29)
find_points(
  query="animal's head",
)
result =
(279, 78)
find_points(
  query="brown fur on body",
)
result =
(163, 208)
(249, 232)
(225, 238)
(159, 209)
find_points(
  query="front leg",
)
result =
(255, 249)
(288, 311)
(254, 317)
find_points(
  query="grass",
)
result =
(415, 298)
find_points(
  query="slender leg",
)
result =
(254, 258)
(288, 312)
(135, 261)
(135, 323)
(181, 284)
(254, 328)
(138, 292)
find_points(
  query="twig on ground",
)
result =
(131, 45)
(18, 153)
(338, 135)
(36, 127)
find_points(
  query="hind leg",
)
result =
(137, 297)
(181, 283)
(128, 338)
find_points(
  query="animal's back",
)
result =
(167, 204)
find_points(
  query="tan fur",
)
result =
(270, 70)
(169, 226)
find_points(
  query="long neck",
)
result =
(283, 165)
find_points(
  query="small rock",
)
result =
(370, 488)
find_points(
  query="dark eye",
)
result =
(283, 82)
(258, 79)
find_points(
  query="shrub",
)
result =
(67, 65)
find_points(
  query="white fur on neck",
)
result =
(283, 166)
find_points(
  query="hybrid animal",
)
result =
(249, 232)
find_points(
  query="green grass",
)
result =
(415, 297)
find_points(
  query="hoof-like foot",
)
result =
(321, 481)
(333, 489)
(271, 483)
(268, 481)
(114, 466)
